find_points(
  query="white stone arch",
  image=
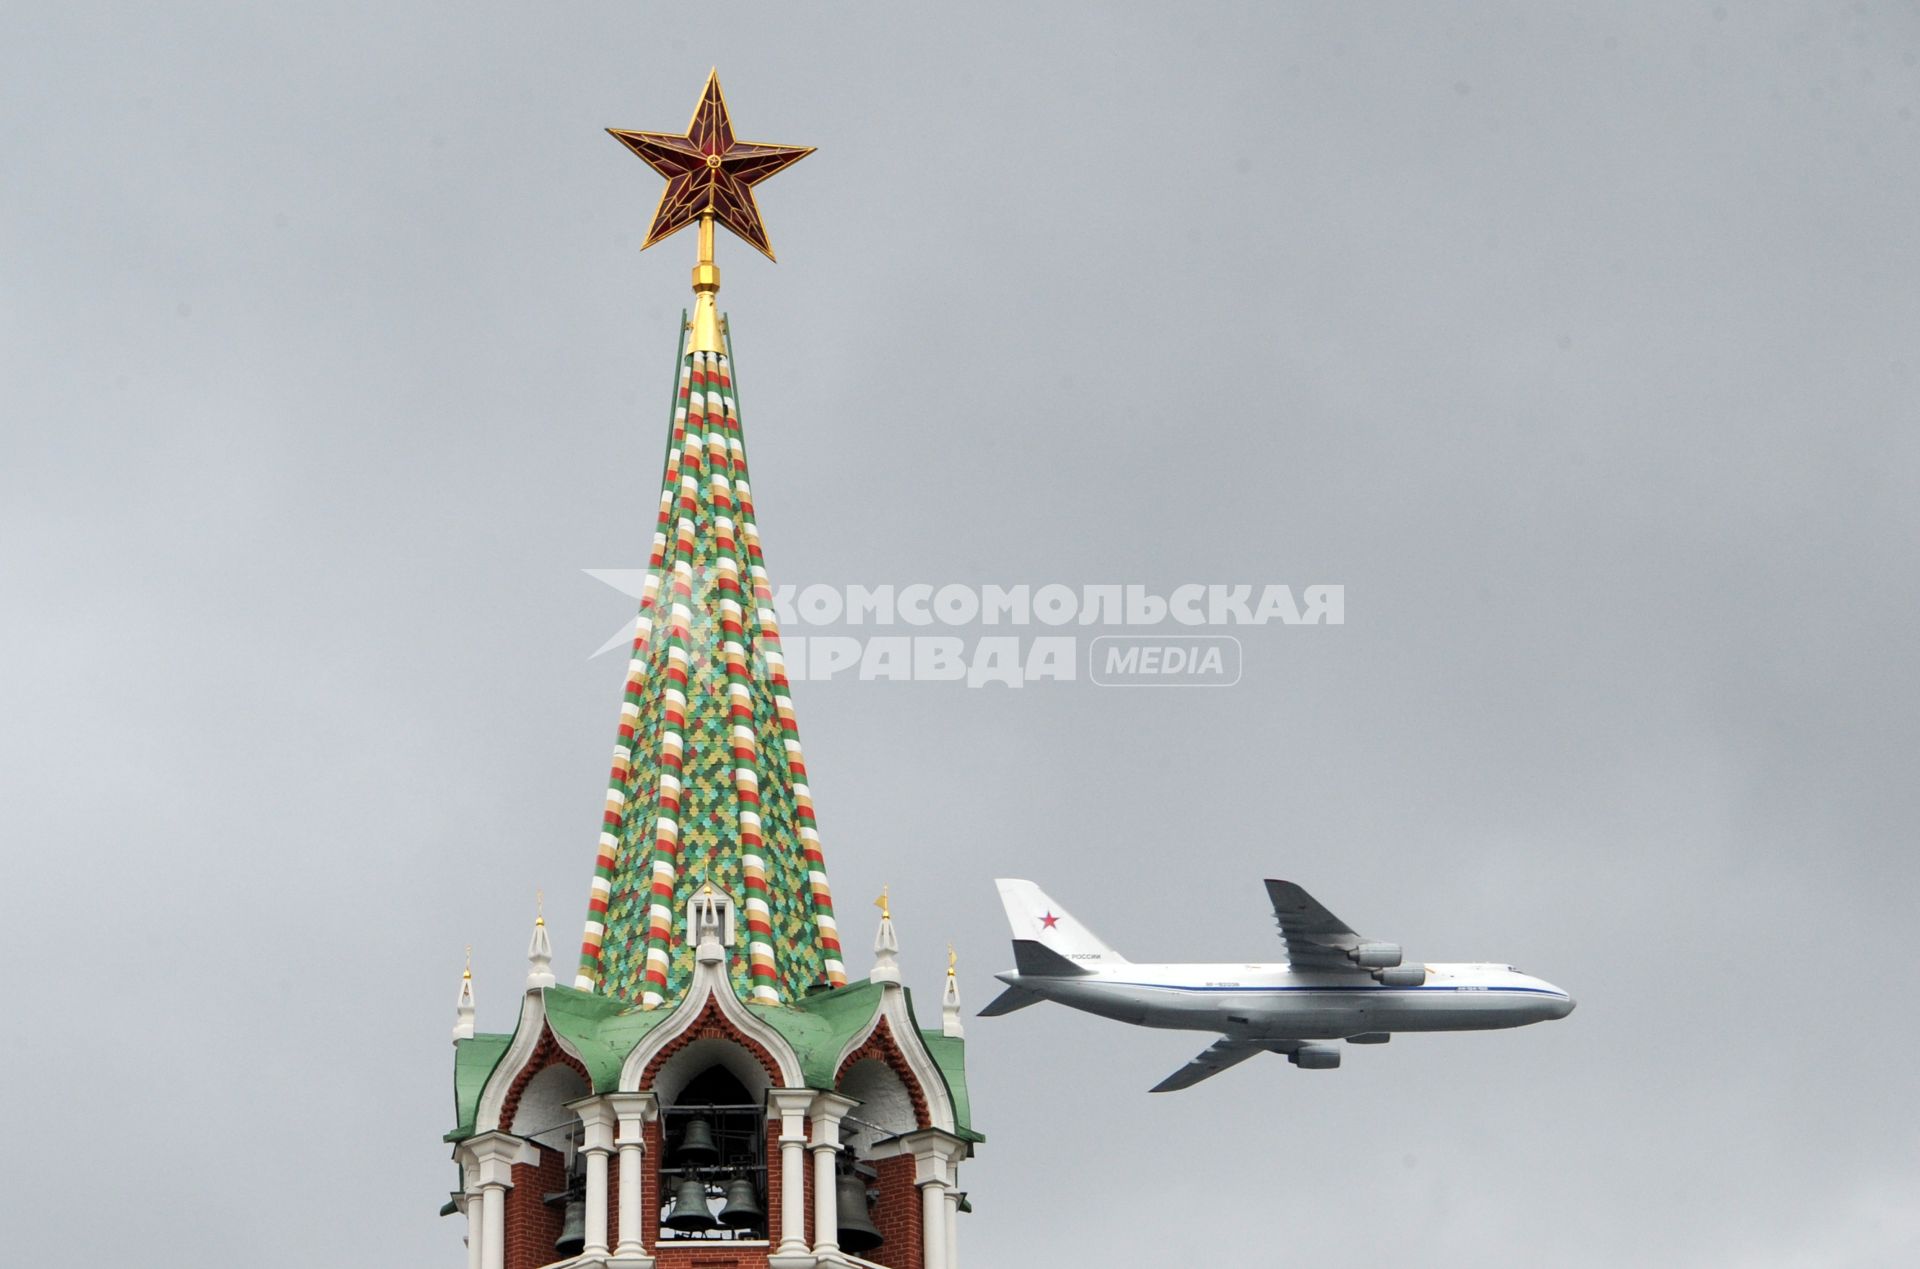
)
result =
(907, 1040)
(704, 1054)
(885, 1109)
(542, 1114)
(527, 1035)
(710, 983)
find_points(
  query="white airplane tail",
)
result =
(1038, 920)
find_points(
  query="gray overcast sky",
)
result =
(1577, 342)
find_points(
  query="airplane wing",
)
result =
(1315, 938)
(1221, 1055)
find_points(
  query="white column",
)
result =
(597, 1120)
(490, 1157)
(596, 1244)
(475, 1234)
(633, 1158)
(827, 1110)
(826, 1199)
(936, 1155)
(634, 1111)
(933, 1225)
(791, 1104)
(493, 1224)
(953, 1224)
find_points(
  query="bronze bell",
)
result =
(696, 1143)
(573, 1221)
(690, 1214)
(742, 1210)
(857, 1232)
(573, 1228)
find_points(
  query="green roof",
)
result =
(473, 1062)
(821, 1025)
(603, 1030)
(950, 1054)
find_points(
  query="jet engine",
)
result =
(1376, 955)
(1315, 1057)
(1402, 976)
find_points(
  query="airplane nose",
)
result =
(1563, 1007)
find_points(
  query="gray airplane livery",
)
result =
(1334, 985)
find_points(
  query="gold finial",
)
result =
(539, 907)
(468, 972)
(886, 913)
(953, 960)
(706, 336)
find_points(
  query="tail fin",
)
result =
(1038, 919)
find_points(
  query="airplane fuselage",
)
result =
(1262, 1002)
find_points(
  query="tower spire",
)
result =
(710, 947)
(709, 783)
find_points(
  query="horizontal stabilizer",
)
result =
(1037, 960)
(1009, 1000)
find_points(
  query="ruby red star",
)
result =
(708, 171)
(1048, 921)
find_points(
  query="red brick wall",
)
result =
(896, 1214)
(613, 1198)
(808, 1156)
(713, 1256)
(650, 1195)
(531, 1224)
(770, 1199)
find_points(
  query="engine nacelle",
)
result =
(1315, 1057)
(1376, 955)
(1402, 976)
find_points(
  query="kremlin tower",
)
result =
(711, 1090)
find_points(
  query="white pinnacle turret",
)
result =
(539, 953)
(950, 999)
(886, 945)
(463, 1012)
(708, 949)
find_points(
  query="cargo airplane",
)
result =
(1334, 985)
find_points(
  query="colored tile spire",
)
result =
(709, 785)
(709, 782)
